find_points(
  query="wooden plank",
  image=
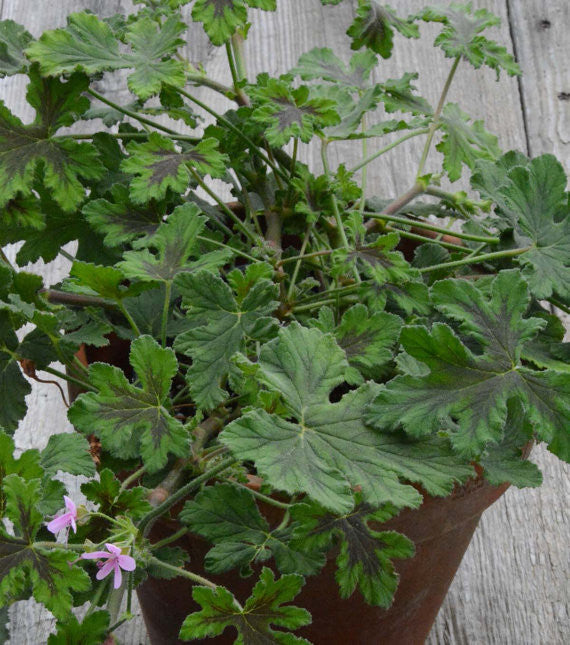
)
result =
(490, 599)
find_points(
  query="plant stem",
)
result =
(82, 384)
(4, 257)
(200, 79)
(306, 256)
(397, 142)
(183, 572)
(134, 115)
(132, 478)
(421, 238)
(265, 498)
(234, 129)
(129, 318)
(165, 308)
(310, 307)
(240, 225)
(429, 227)
(298, 265)
(145, 522)
(57, 545)
(226, 246)
(436, 115)
(75, 299)
(171, 538)
(130, 135)
(559, 305)
(398, 203)
(476, 260)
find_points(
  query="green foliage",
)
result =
(91, 631)
(328, 450)
(365, 556)
(129, 420)
(222, 18)
(88, 44)
(228, 516)
(68, 453)
(531, 200)
(264, 608)
(467, 392)
(159, 166)
(13, 41)
(221, 324)
(374, 27)
(286, 112)
(113, 501)
(461, 36)
(25, 568)
(27, 151)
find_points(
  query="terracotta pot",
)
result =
(441, 530)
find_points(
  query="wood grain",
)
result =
(511, 587)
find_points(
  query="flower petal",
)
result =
(59, 523)
(106, 569)
(113, 549)
(126, 562)
(118, 575)
(70, 506)
(95, 555)
(73, 524)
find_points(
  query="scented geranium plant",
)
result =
(343, 352)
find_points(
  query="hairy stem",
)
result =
(476, 259)
(165, 308)
(387, 148)
(183, 572)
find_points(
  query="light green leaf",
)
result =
(374, 27)
(159, 165)
(228, 516)
(323, 64)
(461, 36)
(92, 630)
(398, 94)
(505, 463)
(253, 622)
(464, 142)
(531, 199)
(467, 392)
(113, 501)
(176, 241)
(132, 421)
(13, 41)
(287, 112)
(223, 323)
(29, 150)
(68, 452)
(324, 449)
(88, 44)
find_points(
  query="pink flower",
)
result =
(115, 562)
(66, 520)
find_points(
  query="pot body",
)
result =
(441, 530)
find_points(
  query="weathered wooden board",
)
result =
(511, 587)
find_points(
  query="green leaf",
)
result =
(88, 44)
(505, 463)
(113, 501)
(27, 465)
(367, 340)
(223, 324)
(461, 36)
(23, 566)
(122, 221)
(464, 142)
(13, 386)
(374, 27)
(365, 556)
(176, 241)
(467, 392)
(158, 165)
(91, 631)
(228, 516)
(265, 607)
(222, 18)
(547, 350)
(103, 281)
(287, 112)
(324, 449)
(531, 199)
(129, 420)
(26, 150)
(398, 94)
(13, 41)
(68, 452)
(323, 64)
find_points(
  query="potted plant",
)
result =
(299, 386)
